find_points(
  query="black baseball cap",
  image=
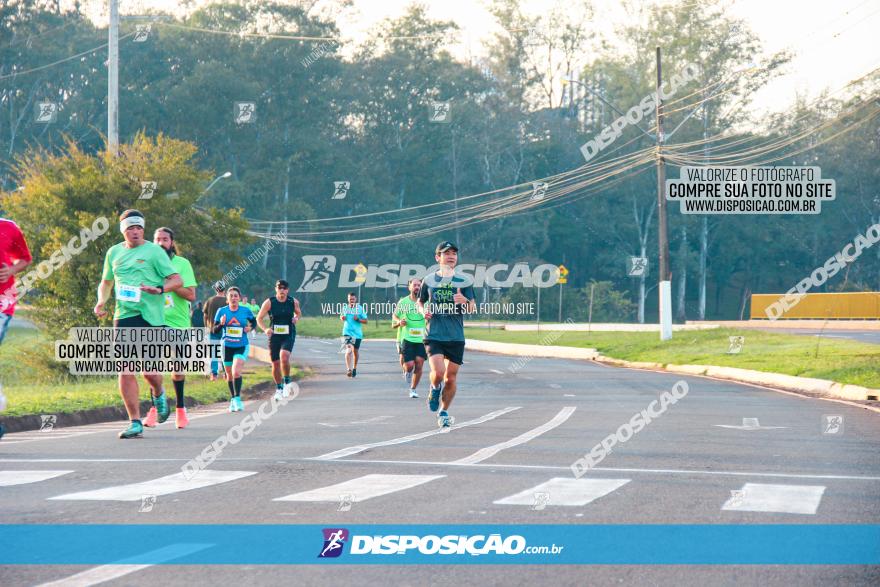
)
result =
(445, 246)
(283, 283)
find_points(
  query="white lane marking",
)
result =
(362, 488)
(368, 421)
(497, 371)
(318, 351)
(566, 491)
(75, 431)
(750, 424)
(125, 567)
(783, 499)
(161, 486)
(614, 470)
(569, 395)
(376, 419)
(9, 478)
(490, 451)
(353, 450)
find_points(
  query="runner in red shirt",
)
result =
(14, 257)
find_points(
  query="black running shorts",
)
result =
(451, 349)
(411, 350)
(281, 342)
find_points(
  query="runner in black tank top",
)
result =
(283, 312)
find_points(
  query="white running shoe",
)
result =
(278, 394)
(413, 393)
(285, 392)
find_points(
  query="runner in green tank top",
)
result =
(410, 325)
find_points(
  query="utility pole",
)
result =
(286, 199)
(664, 277)
(539, 305)
(113, 80)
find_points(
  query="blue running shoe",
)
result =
(434, 399)
(233, 407)
(445, 420)
(239, 405)
(162, 407)
(135, 429)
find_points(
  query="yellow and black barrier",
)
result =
(850, 305)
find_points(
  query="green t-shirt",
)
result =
(147, 264)
(414, 329)
(177, 309)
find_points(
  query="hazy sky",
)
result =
(834, 41)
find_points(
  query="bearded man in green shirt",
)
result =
(177, 315)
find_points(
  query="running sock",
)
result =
(279, 386)
(178, 391)
(238, 387)
(286, 379)
(135, 421)
(231, 388)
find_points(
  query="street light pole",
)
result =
(664, 277)
(113, 80)
(216, 179)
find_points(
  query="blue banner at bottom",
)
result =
(802, 544)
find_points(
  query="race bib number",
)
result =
(234, 331)
(416, 332)
(169, 301)
(128, 293)
(281, 329)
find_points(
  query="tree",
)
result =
(63, 193)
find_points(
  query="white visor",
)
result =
(131, 221)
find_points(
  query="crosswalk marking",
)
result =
(353, 450)
(9, 478)
(784, 499)
(75, 431)
(161, 486)
(104, 573)
(362, 488)
(565, 491)
(490, 451)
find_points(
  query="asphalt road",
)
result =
(700, 463)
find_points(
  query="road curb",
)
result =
(111, 413)
(806, 385)
(531, 350)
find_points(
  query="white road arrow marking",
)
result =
(750, 424)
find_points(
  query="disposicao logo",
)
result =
(334, 540)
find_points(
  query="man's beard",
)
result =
(169, 252)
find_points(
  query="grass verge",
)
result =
(34, 385)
